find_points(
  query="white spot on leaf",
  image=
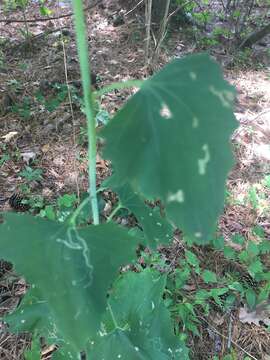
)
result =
(176, 197)
(193, 75)
(226, 97)
(198, 235)
(195, 122)
(78, 313)
(202, 163)
(165, 112)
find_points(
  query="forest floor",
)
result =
(43, 153)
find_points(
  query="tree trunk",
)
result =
(255, 37)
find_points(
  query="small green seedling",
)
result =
(31, 174)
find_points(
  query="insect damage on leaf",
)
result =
(165, 112)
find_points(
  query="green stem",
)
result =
(114, 319)
(76, 213)
(112, 316)
(115, 210)
(118, 86)
(88, 101)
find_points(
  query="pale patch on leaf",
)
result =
(193, 75)
(226, 97)
(195, 122)
(202, 163)
(176, 197)
(165, 112)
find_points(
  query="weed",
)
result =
(31, 174)
(111, 318)
(23, 109)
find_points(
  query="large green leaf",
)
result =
(156, 229)
(138, 325)
(171, 142)
(69, 270)
(35, 316)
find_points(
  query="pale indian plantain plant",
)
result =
(170, 142)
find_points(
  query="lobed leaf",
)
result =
(70, 271)
(171, 142)
(141, 326)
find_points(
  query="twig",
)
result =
(148, 18)
(163, 29)
(8, 21)
(229, 332)
(226, 337)
(135, 7)
(48, 32)
(176, 11)
(265, 111)
(223, 5)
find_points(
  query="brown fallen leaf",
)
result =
(45, 148)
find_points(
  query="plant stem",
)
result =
(88, 101)
(112, 316)
(163, 29)
(115, 210)
(117, 86)
(114, 319)
(76, 213)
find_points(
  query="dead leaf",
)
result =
(45, 148)
(108, 208)
(100, 162)
(48, 350)
(9, 136)
(217, 319)
(28, 156)
(261, 315)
